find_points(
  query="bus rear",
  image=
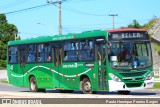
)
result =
(130, 60)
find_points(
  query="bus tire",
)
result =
(124, 92)
(94, 92)
(42, 90)
(33, 84)
(86, 86)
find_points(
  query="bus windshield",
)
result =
(130, 55)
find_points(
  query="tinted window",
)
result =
(71, 51)
(86, 50)
(13, 55)
(31, 56)
(82, 50)
(44, 53)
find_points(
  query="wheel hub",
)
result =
(87, 86)
(33, 85)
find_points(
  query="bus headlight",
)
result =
(114, 77)
(149, 77)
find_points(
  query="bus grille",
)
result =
(131, 74)
(133, 84)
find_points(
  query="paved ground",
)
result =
(53, 94)
(3, 75)
(76, 98)
(13, 90)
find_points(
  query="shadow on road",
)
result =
(132, 93)
(135, 93)
(144, 93)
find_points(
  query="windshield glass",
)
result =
(127, 55)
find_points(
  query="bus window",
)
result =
(13, 55)
(47, 51)
(70, 51)
(73, 45)
(66, 56)
(72, 56)
(44, 52)
(86, 50)
(31, 53)
(41, 53)
(83, 44)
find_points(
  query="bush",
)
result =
(157, 48)
(157, 85)
(3, 63)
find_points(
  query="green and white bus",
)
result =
(112, 60)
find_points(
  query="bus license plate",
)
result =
(149, 83)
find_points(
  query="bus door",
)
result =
(21, 61)
(57, 75)
(101, 58)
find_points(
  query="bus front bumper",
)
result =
(120, 86)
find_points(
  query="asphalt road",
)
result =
(9, 91)
(146, 92)
(18, 95)
(8, 87)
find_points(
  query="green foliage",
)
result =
(157, 85)
(157, 48)
(2, 19)
(150, 24)
(134, 24)
(3, 63)
(7, 33)
(156, 76)
(146, 26)
(4, 81)
(18, 38)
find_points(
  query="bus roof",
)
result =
(126, 29)
(69, 36)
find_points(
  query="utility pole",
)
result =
(113, 15)
(60, 14)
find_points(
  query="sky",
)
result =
(77, 15)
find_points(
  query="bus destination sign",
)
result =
(127, 35)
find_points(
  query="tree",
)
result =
(3, 19)
(150, 24)
(7, 33)
(135, 24)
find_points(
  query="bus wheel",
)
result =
(33, 84)
(42, 90)
(94, 92)
(86, 86)
(124, 92)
